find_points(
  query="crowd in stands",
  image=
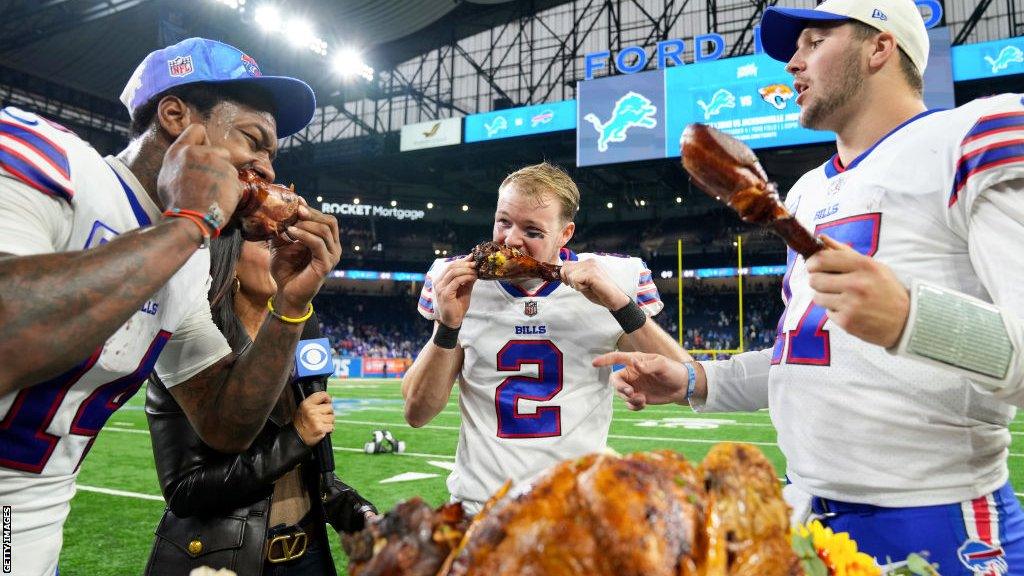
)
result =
(389, 325)
(375, 326)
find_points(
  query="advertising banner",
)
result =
(988, 59)
(431, 134)
(524, 121)
(620, 119)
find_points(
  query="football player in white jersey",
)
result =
(103, 277)
(522, 353)
(897, 367)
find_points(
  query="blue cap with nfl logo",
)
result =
(201, 60)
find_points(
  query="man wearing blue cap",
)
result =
(103, 274)
(897, 367)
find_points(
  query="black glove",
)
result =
(346, 509)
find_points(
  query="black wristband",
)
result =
(630, 317)
(446, 337)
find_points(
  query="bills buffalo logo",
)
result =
(778, 95)
(250, 66)
(982, 559)
(530, 308)
(180, 66)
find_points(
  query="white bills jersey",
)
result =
(857, 423)
(528, 394)
(57, 194)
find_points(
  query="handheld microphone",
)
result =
(313, 364)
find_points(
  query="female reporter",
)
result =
(262, 511)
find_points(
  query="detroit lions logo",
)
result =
(1008, 55)
(496, 125)
(778, 95)
(982, 559)
(631, 110)
(719, 101)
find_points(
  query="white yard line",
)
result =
(686, 440)
(125, 493)
(413, 454)
(395, 425)
(129, 430)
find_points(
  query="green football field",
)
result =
(110, 529)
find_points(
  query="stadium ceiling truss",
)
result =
(533, 57)
(539, 57)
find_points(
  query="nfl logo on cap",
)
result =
(180, 66)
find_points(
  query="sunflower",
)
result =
(837, 552)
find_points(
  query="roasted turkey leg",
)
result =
(499, 262)
(727, 170)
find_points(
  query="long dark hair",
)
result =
(224, 253)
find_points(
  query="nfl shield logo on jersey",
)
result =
(180, 66)
(983, 559)
(530, 308)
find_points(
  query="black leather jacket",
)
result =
(218, 504)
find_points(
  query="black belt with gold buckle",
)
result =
(287, 547)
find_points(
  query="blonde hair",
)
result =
(536, 179)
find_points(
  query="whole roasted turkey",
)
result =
(645, 514)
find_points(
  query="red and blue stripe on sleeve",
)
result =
(30, 156)
(426, 303)
(994, 141)
(647, 293)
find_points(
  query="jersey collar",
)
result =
(835, 166)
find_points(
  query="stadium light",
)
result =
(299, 31)
(465, 208)
(355, 200)
(319, 198)
(394, 203)
(357, 248)
(444, 252)
(610, 205)
(643, 202)
(679, 199)
(437, 252)
(348, 62)
(430, 205)
(268, 18)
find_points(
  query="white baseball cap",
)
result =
(780, 27)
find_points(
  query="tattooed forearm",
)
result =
(56, 309)
(229, 403)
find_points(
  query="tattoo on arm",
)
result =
(229, 403)
(56, 309)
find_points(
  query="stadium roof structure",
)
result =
(91, 46)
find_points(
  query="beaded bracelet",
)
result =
(286, 319)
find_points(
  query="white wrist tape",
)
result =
(959, 331)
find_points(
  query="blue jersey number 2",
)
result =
(809, 341)
(546, 421)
